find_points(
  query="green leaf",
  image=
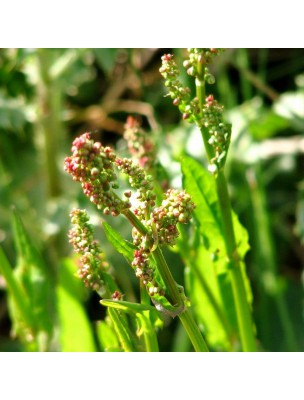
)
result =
(200, 185)
(127, 306)
(16, 292)
(209, 259)
(119, 243)
(121, 330)
(75, 332)
(107, 337)
(267, 125)
(35, 278)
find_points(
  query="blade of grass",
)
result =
(16, 291)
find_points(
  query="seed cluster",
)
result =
(209, 116)
(139, 144)
(92, 260)
(93, 166)
(181, 95)
(201, 57)
(177, 207)
(219, 132)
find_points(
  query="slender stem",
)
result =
(173, 293)
(134, 221)
(245, 324)
(193, 331)
(186, 318)
(243, 313)
(201, 95)
(165, 273)
(49, 121)
(121, 331)
(149, 333)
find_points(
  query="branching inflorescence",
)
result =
(203, 110)
(94, 167)
(92, 261)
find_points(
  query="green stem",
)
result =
(243, 313)
(121, 331)
(201, 95)
(174, 295)
(49, 119)
(165, 273)
(149, 332)
(185, 316)
(193, 332)
(134, 221)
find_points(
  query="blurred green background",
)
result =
(49, 96)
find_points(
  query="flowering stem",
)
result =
(193, 331)
(149, 331)
(185, 316)
(134, 221)
(245, 324)
(173, 293)
(201, 95)
(121, 331)
(244, 319)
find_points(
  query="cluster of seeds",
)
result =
(181, 95)
(201, 57)
(93, 166)
(177, 207)
(92, 260)
(208, 116)
(219, 132)
(139, 144)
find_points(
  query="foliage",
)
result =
(48, 97)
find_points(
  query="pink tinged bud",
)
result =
(94, 171)
(176, 102)
(175, 213)
(191, 71)
(186, 116)
(167, 57)
(210, 99)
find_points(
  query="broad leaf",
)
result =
(210, 282)
(119, 243)
(107, 337)
(75, 329)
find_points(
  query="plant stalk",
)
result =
(149, 332)
(185, 316)
(243, 313)
(173, 293)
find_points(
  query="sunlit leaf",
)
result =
(76, 333)
(119, 243)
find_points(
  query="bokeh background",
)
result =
(49, 96)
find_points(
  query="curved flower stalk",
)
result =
(207, 114)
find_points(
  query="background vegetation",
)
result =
(49, 96)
